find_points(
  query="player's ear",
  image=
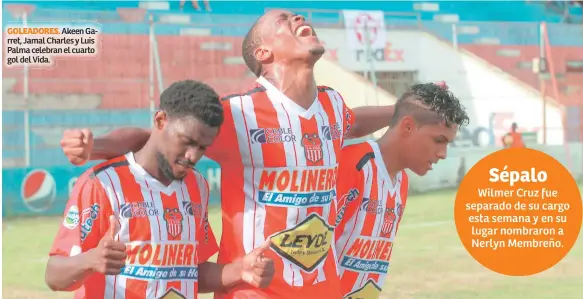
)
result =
(263, 54)
(160, 119)
(406, 126)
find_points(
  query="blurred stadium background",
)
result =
(519, 61)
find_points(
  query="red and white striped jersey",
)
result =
(165, 229)
(278, 180)
(370, 208)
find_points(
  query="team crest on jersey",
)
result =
(389, 219)
(312, 147)
(172, 293)
(173, 219)
(369, 290)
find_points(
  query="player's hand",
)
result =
(258, 270)
(109, 256)
(77, 145)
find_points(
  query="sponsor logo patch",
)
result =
(307, 244)
(347, 198)
(370, 290)
(368, 254)
(171, 293)
(72, 218)
(298, 187)
(88, 217)
(138, 210)
(170, 261)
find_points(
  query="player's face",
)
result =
(428, 145)
(287, 36)
(184, 141)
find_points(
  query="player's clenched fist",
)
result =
(109, 256)
(77, 145)
(258, 270)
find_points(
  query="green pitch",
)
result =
(428, 260)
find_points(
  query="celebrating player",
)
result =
(372, 183)
(157, 240)
(278, 152)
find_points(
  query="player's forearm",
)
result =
(67, 273)
(368, 120)
(214, 277)
(119, 142)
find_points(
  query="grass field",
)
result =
(428, 261)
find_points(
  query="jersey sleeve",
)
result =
(207, 243)
(404, 193)
(85, 219)
(348, 118)
(349, 188)
(347, 115)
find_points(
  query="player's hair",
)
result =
(250, 43)
(430, 103)
(192, 98)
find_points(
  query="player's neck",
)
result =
(389, 147)
(296, 81)
(146, 157)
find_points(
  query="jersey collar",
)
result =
(382, 168)
(150, 181)
(276, 95)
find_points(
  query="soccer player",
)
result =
(136, 226)
(513, 139)
(278, 152)
(372, 183)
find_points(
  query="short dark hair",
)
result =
(192, 98)
(429, 103)
(250, 43)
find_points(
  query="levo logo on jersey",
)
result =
(312, 147)
(171, 293)
(307, 244)
(370, 290)
(173, 219)
(272, 135)
(38, 190)
(367, 254)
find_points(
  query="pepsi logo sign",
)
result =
(38, 190)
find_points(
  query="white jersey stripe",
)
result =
(188, 286)
(116, 199)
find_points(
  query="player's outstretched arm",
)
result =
(67, 273)
(79, 145)
(368, 120)
(254, 269)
